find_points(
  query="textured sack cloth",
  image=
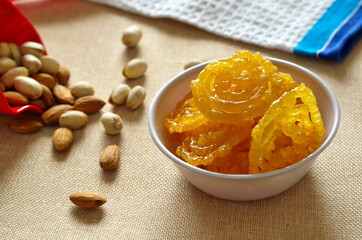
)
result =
(326, 29)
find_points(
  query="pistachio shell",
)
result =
(28, 86)
(135, 68)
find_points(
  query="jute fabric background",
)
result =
(147, 197)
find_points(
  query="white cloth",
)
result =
(278, 24)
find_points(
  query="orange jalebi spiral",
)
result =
(185, 117)
(290, 130)
(212, 140)
(239, 88)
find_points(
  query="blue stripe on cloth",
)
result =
(345, 38)
(319, 34)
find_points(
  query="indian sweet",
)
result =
(242, 116)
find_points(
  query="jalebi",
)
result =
(237, 162)
(239, 88)
(242, 116)
(185, 117)
(212, 140)
(290, 130)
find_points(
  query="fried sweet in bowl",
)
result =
(240, 187)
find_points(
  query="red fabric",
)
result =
(14, 26)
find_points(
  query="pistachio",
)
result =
(49, 65)
(5, 50)
(31, 62)
(45, 79)
(135, 97)
(81, 89)
(63, 74)
(15, 53)
(32, 48)
(112, 123)
(119, 94)
(8, 78)
(6, 64)
(28, 86)
(135, 68)
(73, 119)
(131, 36)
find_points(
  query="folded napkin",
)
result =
(325, 28)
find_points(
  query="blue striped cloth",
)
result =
(335, 33)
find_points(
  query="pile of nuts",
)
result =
(28, 76)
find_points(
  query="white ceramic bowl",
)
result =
(241, 187)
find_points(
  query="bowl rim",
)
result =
(178, 161)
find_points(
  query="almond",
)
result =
(63, 95)
(51, 116)
(15, 98)
(47, 96)
(89, 104)
(62, 139)
(87, 199)
(39, 103)
(2, 87)
(45, 79)
(24, 125)
(110, 157)
(63, 74)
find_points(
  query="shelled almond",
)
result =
(51, 116)
(87, 199)
(45, 79)
(110, 157)
(89, 104)
(24, 125)
(63, 95)
(16, 99)
(62, 139)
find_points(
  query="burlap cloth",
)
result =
(147, 197)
